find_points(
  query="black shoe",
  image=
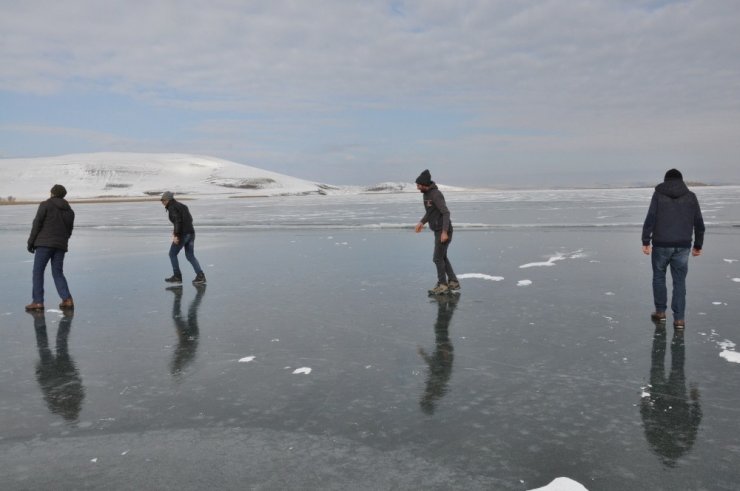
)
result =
(200, 279)
(175, 278)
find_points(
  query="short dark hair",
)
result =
(58, 191)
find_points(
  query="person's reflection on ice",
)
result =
(439, 362)
(670, 414)
(186, 328)
(56, 372)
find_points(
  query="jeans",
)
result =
(188, 242)
(678, 260)
(41, 258)
(444, 267)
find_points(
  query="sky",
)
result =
(488, 93)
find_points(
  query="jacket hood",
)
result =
(673, 188)
(60, 203)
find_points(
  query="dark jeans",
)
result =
(41, 258)
(444, 267)
(188, 242)
(678, 260)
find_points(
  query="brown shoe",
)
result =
(657, 316)
(67, 304)
(679, 324)
(34, 306)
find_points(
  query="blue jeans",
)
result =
(678, 260)
(41, 258)
(188, 242)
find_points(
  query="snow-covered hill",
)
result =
(139, 175)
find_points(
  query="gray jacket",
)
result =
(437, 214)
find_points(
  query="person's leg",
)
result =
(660, 259)
(57, 272)
(439, 257)
(189, 243)
(679, 269)
(448, 265)
(40, 260)
(174, 251)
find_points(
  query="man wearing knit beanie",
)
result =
(438, 217)
(673, 217)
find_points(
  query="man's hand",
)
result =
(419, 227)
(444, 237)
(646, 249)
(176, 240)
(31, 248)
(695, 252)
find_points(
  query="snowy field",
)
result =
(314, 358)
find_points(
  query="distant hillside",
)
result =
(141, 175)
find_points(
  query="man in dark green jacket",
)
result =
(673, 217)
(183, 235)
(438, 217)
(48, 241)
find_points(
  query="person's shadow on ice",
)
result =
(56, 372)
(670, 414)
(440, 362)
(186, 328)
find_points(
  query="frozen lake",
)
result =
(314, 358)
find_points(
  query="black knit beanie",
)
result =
(425, 178)
(673, 174)
(58, 191)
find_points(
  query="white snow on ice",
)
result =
(736, 280)
(302, 370)
(246, 359)
(562, 484)
(523, 282)
(480, 276)
(730, 260)
(560, 256)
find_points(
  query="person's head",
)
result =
(424, 181)
(167, 196)
(58, 191)
(673, 174)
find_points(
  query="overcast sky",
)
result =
(493, 93)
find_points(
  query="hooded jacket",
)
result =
(180, 217)
(437, 214)
(53, 224)
(673, 215)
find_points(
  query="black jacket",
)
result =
(53, 225)
(180, 218)
(673, 215)
(437, 214)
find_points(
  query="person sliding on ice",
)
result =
(183, 235)
(49, 238)
(673, 215)
(438, 217)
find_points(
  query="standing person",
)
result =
(673, 215)
(438, 217)
(50, 233)
(183, 235)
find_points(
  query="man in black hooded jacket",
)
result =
(674, 215)
(50, 233)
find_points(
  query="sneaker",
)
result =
(657, 316)
(453, 285)
(200, 279)
(67, 304)
(439, 289)
(175, 278)
(34, 306)
(679, 324)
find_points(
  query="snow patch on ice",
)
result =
(730, 260)
(562, 484)
(731, 356)
(523, 282)
(302, 370)
(246, 359)
(560, 256)
(736, 280)
(480, 276)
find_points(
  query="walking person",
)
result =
(183, 235)
(674, 215)
(50, 233)
(438, 217)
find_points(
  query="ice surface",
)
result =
(479, 276)
(500, 387)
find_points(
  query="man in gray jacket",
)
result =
(48, 241)
(438, 216)
(673, 217)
